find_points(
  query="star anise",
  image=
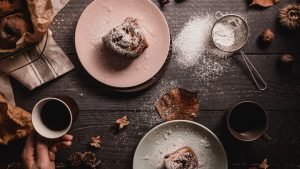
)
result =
(96, 142)
(122, 122)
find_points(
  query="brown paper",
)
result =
(41, 13)
(15, 123)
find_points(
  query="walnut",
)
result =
(122, 122)
(96, 142)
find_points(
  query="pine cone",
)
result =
(90, 160)
(75, 159)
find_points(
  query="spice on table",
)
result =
(178, 104)
(96, 142)
(264, 3)
(264, 164)
(122, 122)
(289, 16)
(267, 36)
(286, 62)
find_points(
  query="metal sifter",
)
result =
(233, 40)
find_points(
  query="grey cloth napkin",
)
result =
(51, 65)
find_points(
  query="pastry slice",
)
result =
(183, 158)
(127, 40)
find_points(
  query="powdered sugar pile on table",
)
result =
(194, 48)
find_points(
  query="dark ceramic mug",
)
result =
(247, 121)
(54, 111)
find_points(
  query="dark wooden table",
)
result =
(100, 108)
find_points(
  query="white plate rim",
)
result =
(76, 48)
(180, 121)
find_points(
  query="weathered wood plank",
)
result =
(100, 108)
(232, 86)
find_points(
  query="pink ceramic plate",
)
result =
(103, 15)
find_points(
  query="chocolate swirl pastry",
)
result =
(11, 5)
(12, 28)
(183, 158)
(127, 40)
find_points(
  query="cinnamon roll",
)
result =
(127, 40)
(183, 158)
(11, 5)
(12, 28)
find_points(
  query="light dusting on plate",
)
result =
(170, 141)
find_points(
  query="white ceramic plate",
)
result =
(170, 136)
(103, 15)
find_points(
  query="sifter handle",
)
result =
(262, 85)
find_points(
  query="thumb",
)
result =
(42, 152)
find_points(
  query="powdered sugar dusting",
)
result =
(193, 48)
(190, 41)
(182, 136)
(224, 35)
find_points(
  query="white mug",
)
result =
(39, 125)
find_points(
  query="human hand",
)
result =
(38, 154)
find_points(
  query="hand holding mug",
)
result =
(39, 154)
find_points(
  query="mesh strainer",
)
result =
(230, 33)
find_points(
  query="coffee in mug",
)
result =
(53, 117)
(247, 121)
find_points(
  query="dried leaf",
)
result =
(264, 3)
(264, 164)
(178, 104)
(122, 122)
